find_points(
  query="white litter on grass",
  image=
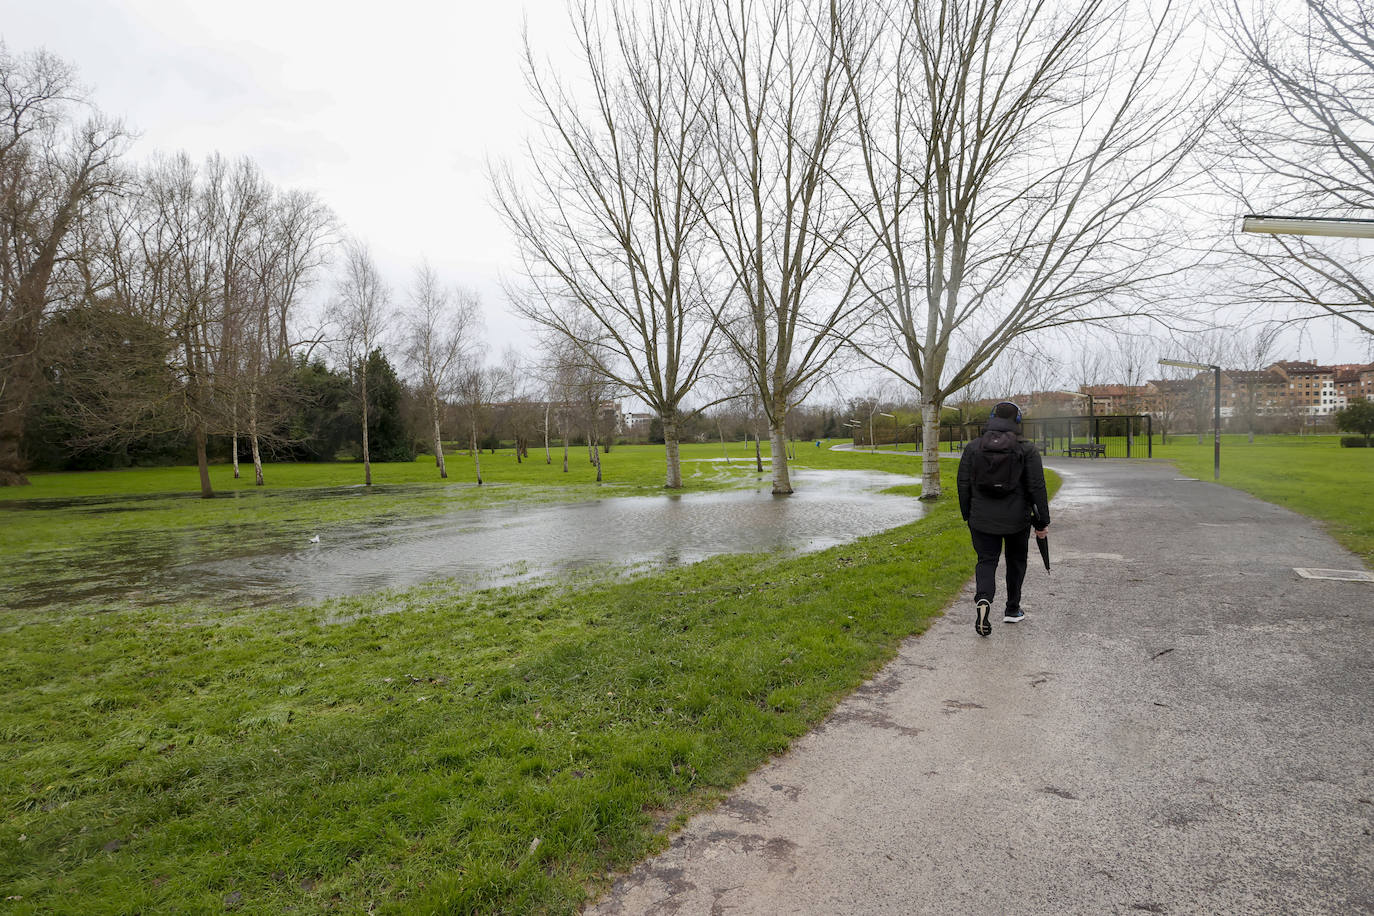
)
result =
(1339, 575)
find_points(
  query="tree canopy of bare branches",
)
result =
(774, 210)
(444, 327)
(52, 171)
(1302, 136)
(609, 224)
(362, 313)
(1013, 160)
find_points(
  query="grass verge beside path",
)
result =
(1311, 475)
(496, 752)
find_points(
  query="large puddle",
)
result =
(507, 544)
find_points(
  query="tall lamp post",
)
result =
(1216, 409)
(1332, 227)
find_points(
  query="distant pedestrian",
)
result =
(1001, 489)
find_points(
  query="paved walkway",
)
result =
(1182, 725)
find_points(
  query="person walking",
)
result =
(1001, 490)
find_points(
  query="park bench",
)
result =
(1087, 450)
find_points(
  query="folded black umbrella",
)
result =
(1044, 542)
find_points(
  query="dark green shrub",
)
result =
(1354, 442)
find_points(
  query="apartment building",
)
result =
(1311, 389)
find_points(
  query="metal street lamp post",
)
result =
(1216, 408)
(894, 429)
(1332, 227)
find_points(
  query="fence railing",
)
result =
(1110, 436)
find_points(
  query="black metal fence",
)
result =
(1110, 436)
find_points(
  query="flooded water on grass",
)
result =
(496, 545)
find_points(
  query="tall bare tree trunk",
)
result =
(253, 437)
(930, 449)
(758, 452)
(670, 449)
(203, 462)
(777, 439)
(596, 459)
(562, 434)
(548, 456)
(234, 439)
(367, 455)
(438, 438)
(720, 431)
(477, 455)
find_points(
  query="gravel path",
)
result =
(1181, 725)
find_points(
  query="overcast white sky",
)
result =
(388, 111)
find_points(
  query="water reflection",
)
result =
(505, 544)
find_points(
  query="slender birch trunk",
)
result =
(253, 435)
(438, 438)
(367, 455)
(234, 443)
(203, 462)
(758, 453)
(720, 431)
(476, 455)
(548, 456)
(596, 459)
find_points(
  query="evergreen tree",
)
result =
(387, 434)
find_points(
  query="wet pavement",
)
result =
(1181, 725)
(487, 547)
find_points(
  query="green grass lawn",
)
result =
(1311, 475)
(438, 750)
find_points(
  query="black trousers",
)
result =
(989, 546)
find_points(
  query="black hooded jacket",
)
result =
(1011, 513)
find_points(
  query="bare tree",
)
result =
(51, 173)
(561, 369)
(520, 411)
(361, 310)
(235, 201)
(179, 287)
(1251, 353)
(286, 248)
(444, 329)
(1015, 160)
(478, 386)
(1302, 143)
(610, 228)
(594, 394)
(774, 211)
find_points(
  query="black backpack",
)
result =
(998, 463)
